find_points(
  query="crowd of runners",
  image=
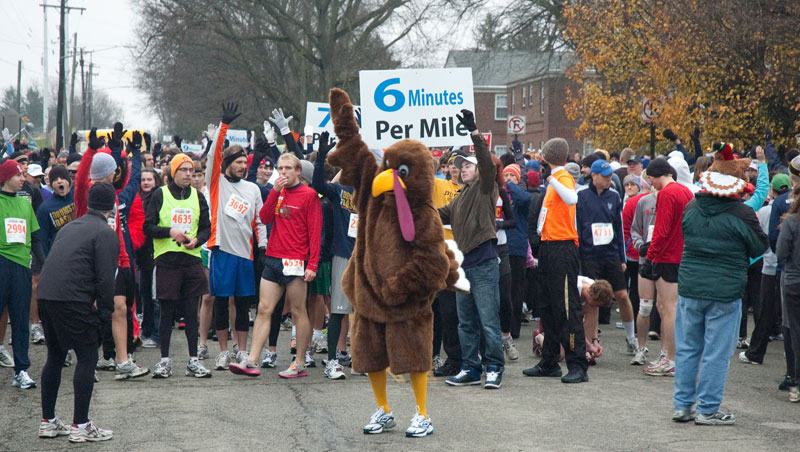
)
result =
(110, 244)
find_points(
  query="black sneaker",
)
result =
(575, 376)
(494, 378)
(466, 377)
(448, 369)
(787, 383)
(538, 371)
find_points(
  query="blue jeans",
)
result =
(479, 312)
(705, 338)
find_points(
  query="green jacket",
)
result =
(720, 235)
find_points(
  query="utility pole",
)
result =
(45, 81)
(71, 115)
(19, 97)
(62, 34)
(90, 83)
(83, 94)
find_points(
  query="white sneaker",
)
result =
(639, 357)
(235, 350)
(90, 433)
(632, 347)
(130, 370)
(241, 357)
(149, 343)
(5, 358)
(196, 369)
(310, 359)
(380, 421)
(68, 359)
(22, 380)
(437, 362)
(420, 426)
(511, 350)
(53, 429)
(321, 344)
(269, 359)
(223, 360)
(334, 371)
(37, 334)
(163, 369)
(202, 351)
(106, 364)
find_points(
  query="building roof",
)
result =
(498, 68)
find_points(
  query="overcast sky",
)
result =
(107, 29)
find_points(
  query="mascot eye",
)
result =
(402, 171)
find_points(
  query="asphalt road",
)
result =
(619, 409)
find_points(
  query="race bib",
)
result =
(293, 267)
(16, 230)
(182, 220)
(352, 228)
(649, 233)
(540, 223)
(602, 233)
(236, 208)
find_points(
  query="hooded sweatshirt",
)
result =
(684, 175)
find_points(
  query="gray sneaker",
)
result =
(68, 359)
(269, 359)
(22, 380)
(718, 418)
(683, 415)
(106, 364)
(511, 350)
(241, 357)
(5, 359)
(149, 343)
(202, 351)
(632, 347)
(163, 369)
(223, 360)
(379, 422)
(90, 433)
(130, 370)
(37, 334)
(196, 369)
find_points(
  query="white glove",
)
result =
(6, 135)
(211, 131)
(269, 133)
(281, 121)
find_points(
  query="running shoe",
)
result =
(494, 378)
(310, 359)
(235, 350)
(421, 426)
(96, 378)
(130, 370)
(286, 325)
(22, 380)
(448, 369)
(742, 343)
(437, 362)
(620, 325)
(794, 394)
(202, 351)
(196, 369)
(334, 371)
(163, 369)
(467, 377)
(223, 360)
(149, 343)
(344, 358)
(53, 429)
(632, 347)
(380, 421)
(181, 324)
(683, 415)
(37, 334)
(640, 357)
(269, 359)
(241, 357)
(294, 371)
(665, 369)
(787, 383)
(718, 418)
(247, 368)
(5, 358)
(68, 359)
(106, 364)
(354, 373)
(322, 343)
(510, 349)
(743, 358)
(293, 346)
(652, 335)
(662, 355)
(89, 433)
(131, 357)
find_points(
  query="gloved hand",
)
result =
(94, 141)
(670, 135)
(116, 135)
(147, 141)
(177, 140)
(325, 144)
(468, 119)
(6, 135)
(281, 121)
(269, 133)
(696, 134)
(767, 134)
(73, 140)
(643, 250)
(261, 150)
(646, 270)
(135, 143)
(229, 112)
(210, 132)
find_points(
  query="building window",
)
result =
(524, 95)
(500, 106)
(541, 97)
(500, 150)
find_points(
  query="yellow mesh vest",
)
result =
(181, 213)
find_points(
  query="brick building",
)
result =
(519, 83)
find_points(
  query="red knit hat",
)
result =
(534, 180)
(513, 169)
(9, 169)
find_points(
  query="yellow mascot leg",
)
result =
(419, 381)
(378, 382)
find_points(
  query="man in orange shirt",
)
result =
(560, 305)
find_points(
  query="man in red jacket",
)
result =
(295, 213)
(664, 257)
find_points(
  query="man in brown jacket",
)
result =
(471, 215)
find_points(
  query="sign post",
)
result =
(649, 113)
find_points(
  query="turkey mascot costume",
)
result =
(399, 263)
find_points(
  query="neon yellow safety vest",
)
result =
(183, 214)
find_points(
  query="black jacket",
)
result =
(82, 264)
(154, 231)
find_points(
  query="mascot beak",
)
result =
(384, 182)
(388, 180)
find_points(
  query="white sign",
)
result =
(237, 136)
(516, 124)
(318, 116)
(650, 109)
(419, 104)
(193, 148)
(167, 138)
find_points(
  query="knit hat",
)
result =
(513, 169)
(59, 172)
(779, 182)
(18, 156)
(9, 169)
(533, 165)
(103, 165)
(555, 151)
(631, 179)
(102, 197)
(573, 169)
(307, 170)
(659, 167)
(726, 176)
(177, 161)
(534, 180)
(794, 167)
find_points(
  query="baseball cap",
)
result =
(780, 181)
(602, 168)
(460, 159)
(35, 170)
(634, 159)
(436, 153)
